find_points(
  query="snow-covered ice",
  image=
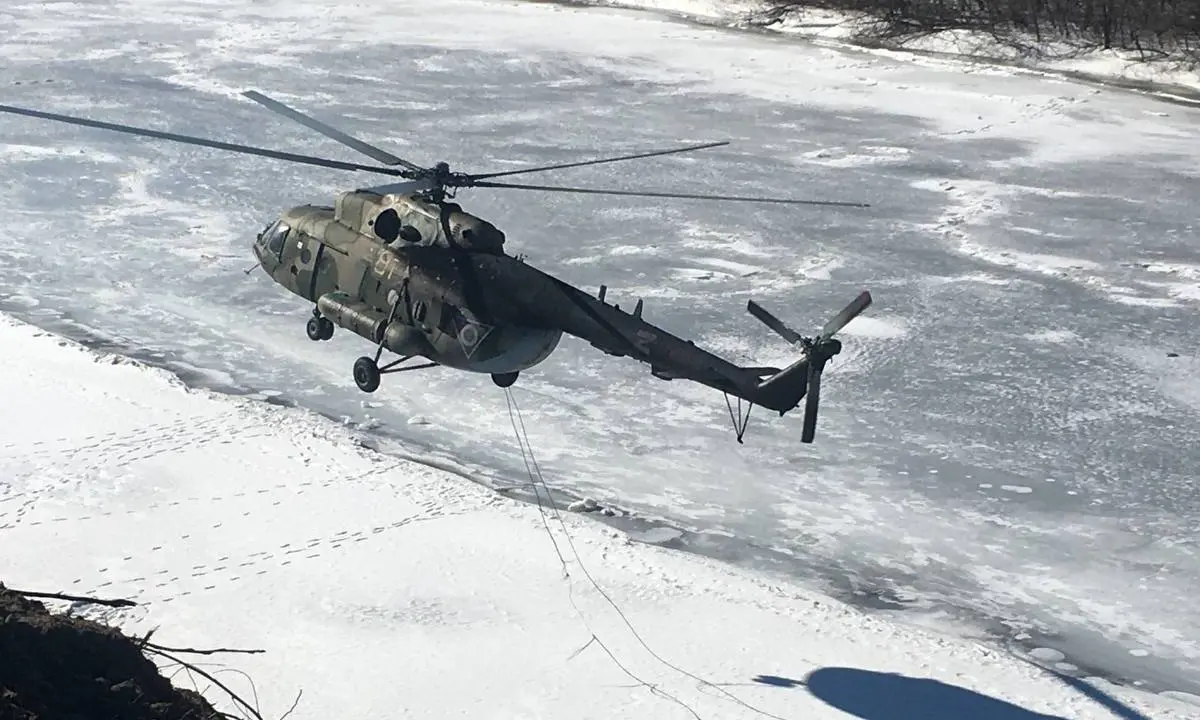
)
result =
(387, 588)
(1030, 247)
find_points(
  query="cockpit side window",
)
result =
(276, 237)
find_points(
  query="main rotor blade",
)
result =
(848, 313)
(631, 193)
(600, 161)
(328, 131)
(190, 140)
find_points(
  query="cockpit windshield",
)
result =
(269, 243)
(265, 233)
(275, 236)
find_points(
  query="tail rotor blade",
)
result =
(812, 400)
(851, 311)
(773, 322)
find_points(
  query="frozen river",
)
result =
(1010, 441)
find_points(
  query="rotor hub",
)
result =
(819, 351)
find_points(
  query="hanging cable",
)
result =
(535, 476)
(532, 480)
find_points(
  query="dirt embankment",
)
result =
(54, 666)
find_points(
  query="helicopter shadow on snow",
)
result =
(873, 695)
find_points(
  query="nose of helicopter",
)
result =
(257, 249)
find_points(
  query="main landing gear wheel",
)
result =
(366, 374)
(319, 328)
(504, 379)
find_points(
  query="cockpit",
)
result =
(269, 244)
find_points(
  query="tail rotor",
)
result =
(817, 351)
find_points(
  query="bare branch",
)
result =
(195, 651)
(74, 598)
(250, 680)
(294, 704)
(1158, 30)
(206, 675)
(146, 638)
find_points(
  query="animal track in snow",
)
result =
(231, 568)
(286, 488)
(1055, 107)
(974, 203)
(14, 508)
(123, 447)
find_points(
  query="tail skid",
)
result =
(783, 389)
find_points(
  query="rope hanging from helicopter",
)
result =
(739, 419)
(537, 481)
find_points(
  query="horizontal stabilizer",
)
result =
(783, 390)
(762, 371)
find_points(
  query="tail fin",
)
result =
(784, 390)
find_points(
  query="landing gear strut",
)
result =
(319, 328)
(367, 370)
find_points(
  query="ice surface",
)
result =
(1031, 253)
(387, 588)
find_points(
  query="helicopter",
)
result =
(410, 271)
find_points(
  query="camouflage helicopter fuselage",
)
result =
(423, 278)
(419, 278)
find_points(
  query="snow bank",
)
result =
(1179, 78)
(386, 588)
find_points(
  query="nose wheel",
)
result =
(319, 328)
